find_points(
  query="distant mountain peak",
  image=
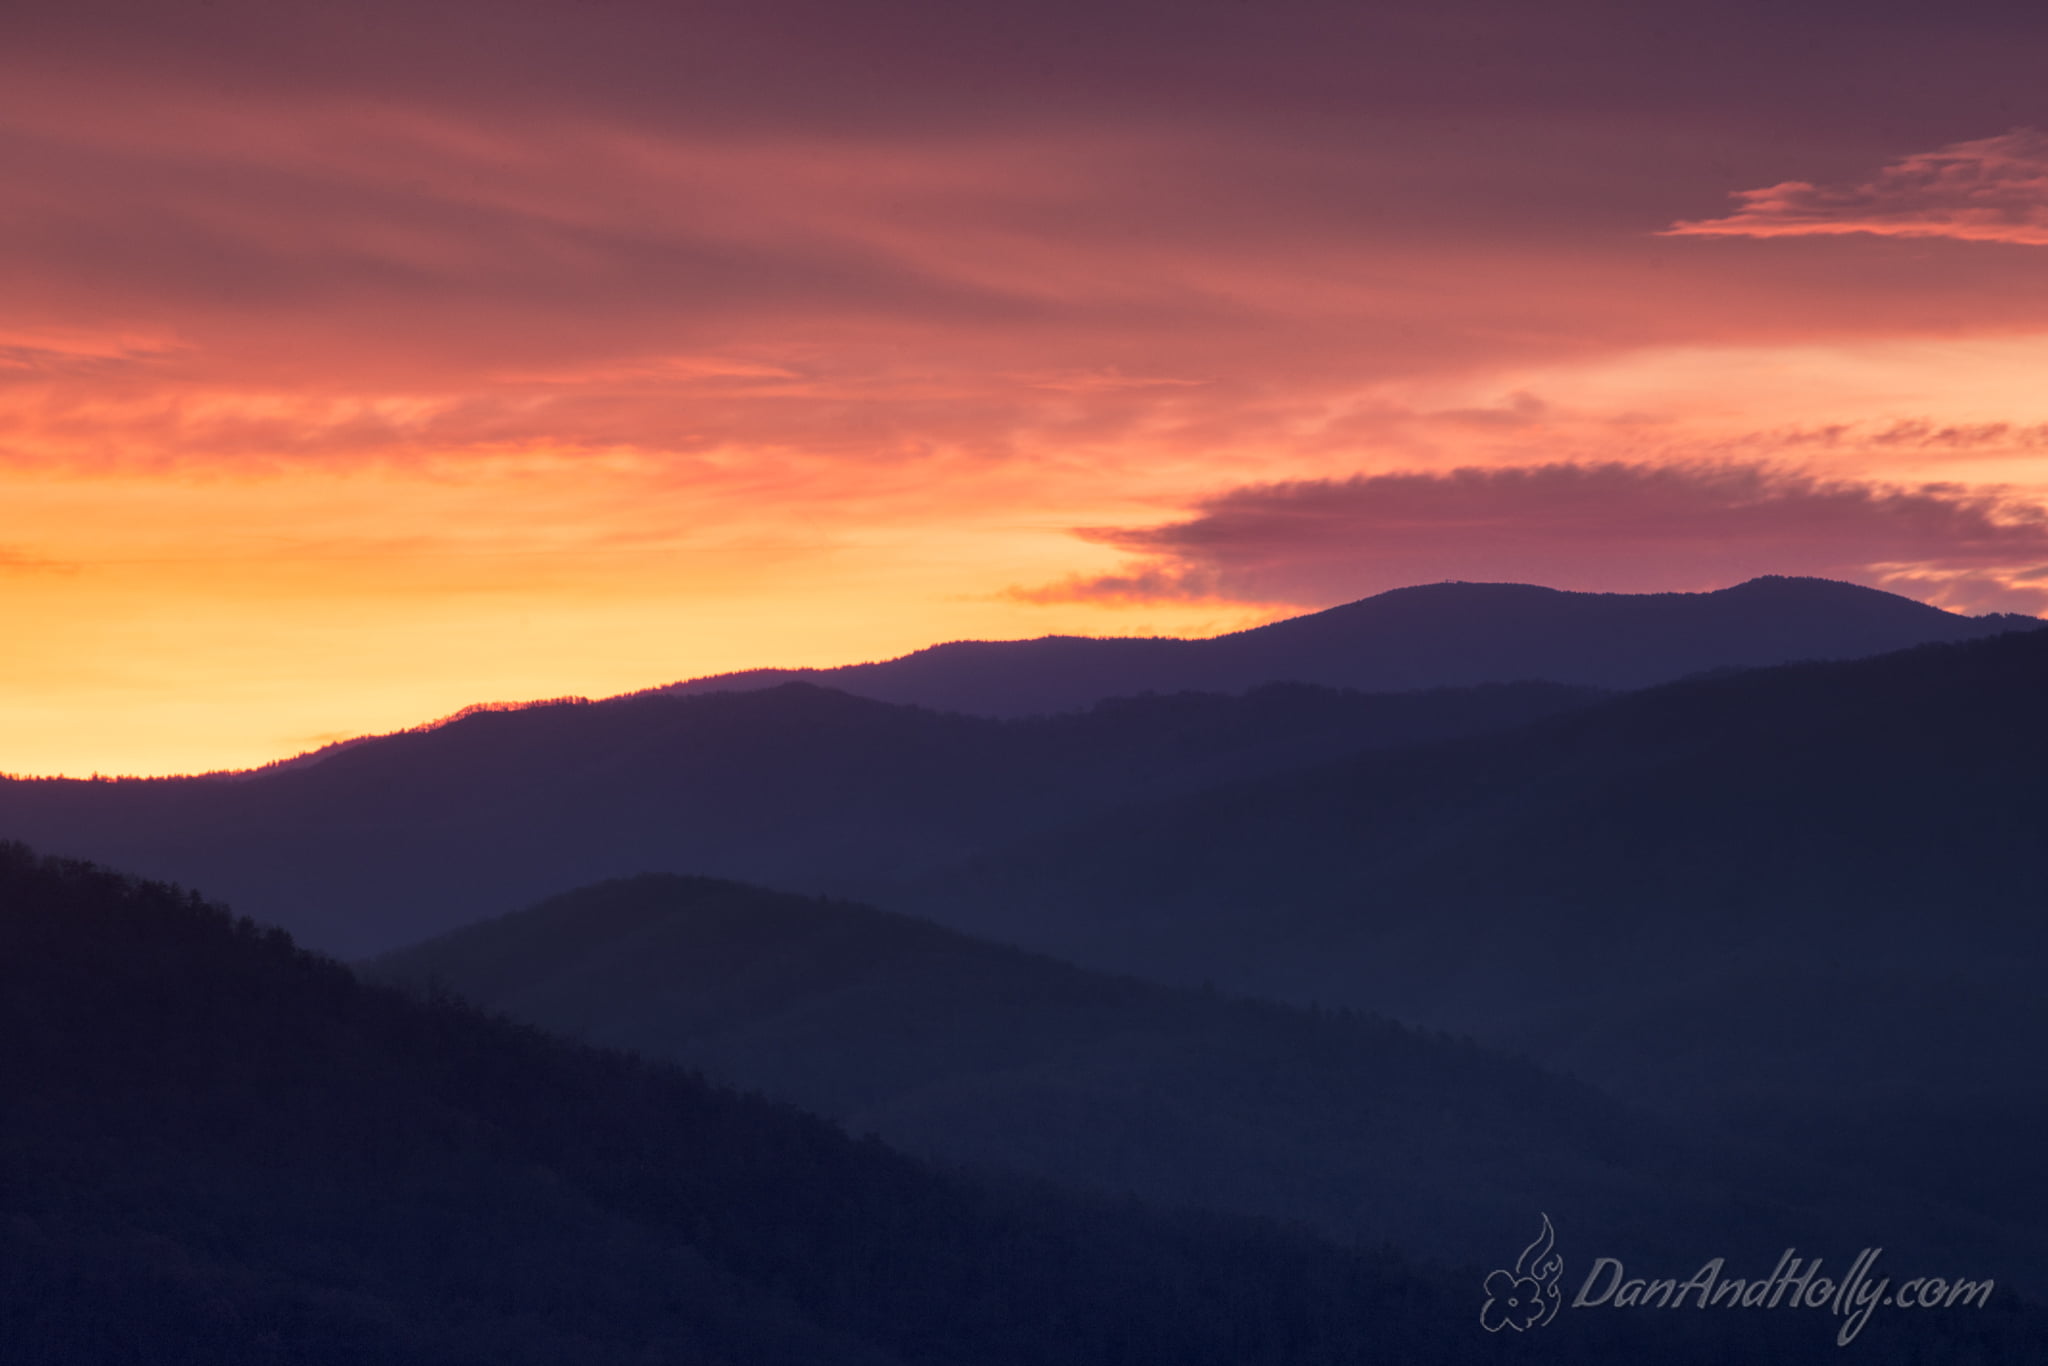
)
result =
(1809, 585)
(1451, 634)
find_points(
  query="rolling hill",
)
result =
(393, 839)
(968, 1052)
(977, 1053)
(1808, 828)
(1432, 635)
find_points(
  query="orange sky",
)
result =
(349, 376)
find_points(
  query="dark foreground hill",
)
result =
(970, 1052)
(218, 1149)
(1434, 635)
(391, 840)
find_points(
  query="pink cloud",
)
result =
(1601, 527)
(956, 283)
(1989, 190)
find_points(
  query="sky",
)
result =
(362, 362)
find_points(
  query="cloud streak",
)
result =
(1603, 527)
(1990, 190)
(17, 561)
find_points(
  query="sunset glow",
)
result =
(351, 373)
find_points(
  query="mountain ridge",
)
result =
(1964, 705)
(391, 840)
(1426, 635)
(965, 1051)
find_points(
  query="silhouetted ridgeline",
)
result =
(220, 1150)
(1434, 635)
(386, 842)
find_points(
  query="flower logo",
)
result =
(1527, 1296)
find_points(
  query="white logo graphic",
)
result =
(1527, 1296)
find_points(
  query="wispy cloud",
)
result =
(1989, 190)
(1591, 526)
(16, 561)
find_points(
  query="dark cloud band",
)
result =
(1589, 526)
